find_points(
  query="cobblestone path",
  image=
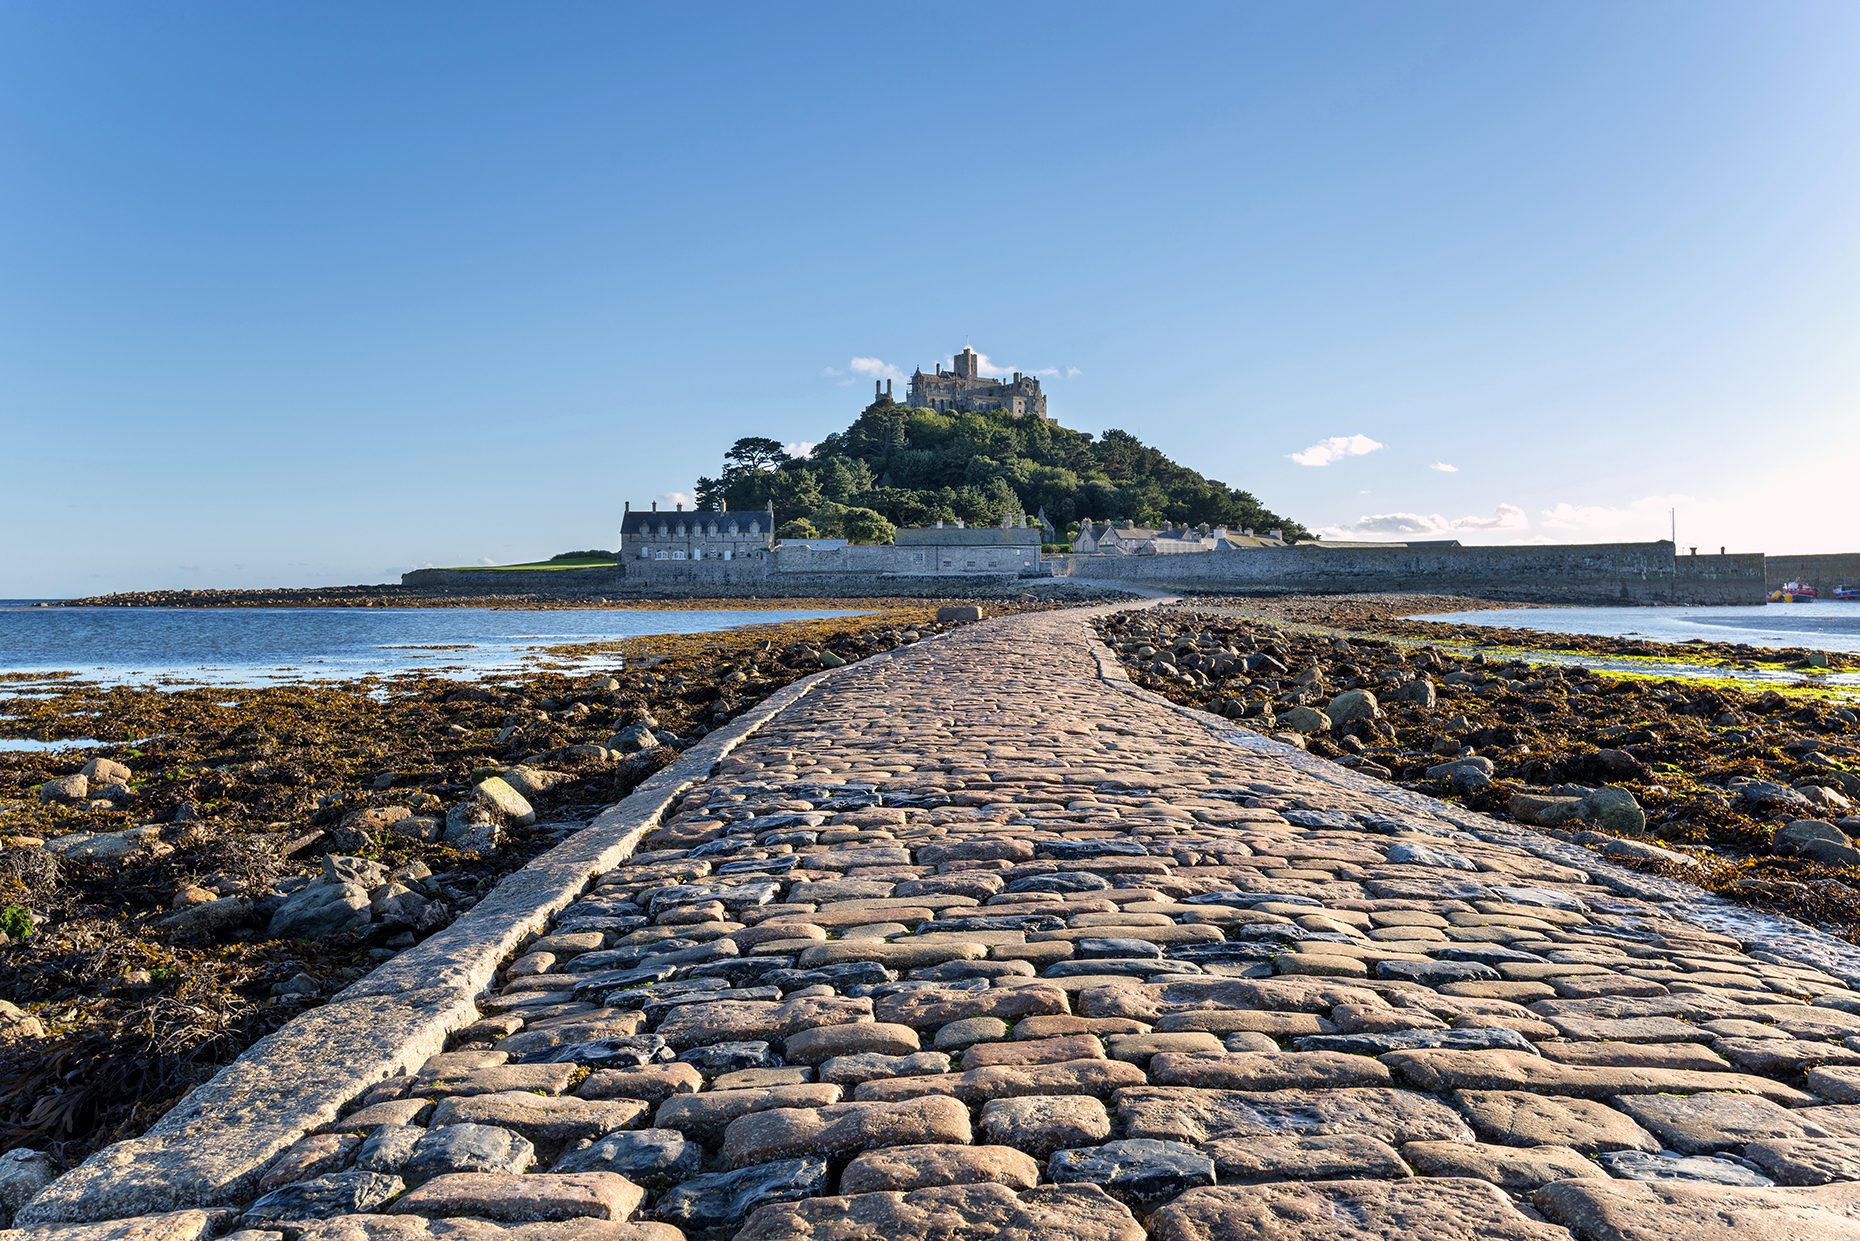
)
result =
(979, 941)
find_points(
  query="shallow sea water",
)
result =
(272, 646)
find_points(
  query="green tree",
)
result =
(862, 525)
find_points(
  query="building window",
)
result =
(755, 527)
(681, 529)
(662, 530)
(678, 555)
(660, 556)
(713, 529)
(728, 554)
(734, 528)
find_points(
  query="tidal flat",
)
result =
(1743, 768)
(147, 932)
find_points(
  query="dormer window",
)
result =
(713, 529)
(735, 529)
(662, 530)
(681, 529)
(755, 527)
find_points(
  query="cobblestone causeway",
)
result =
(980, 941)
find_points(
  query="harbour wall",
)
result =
(1824, 573)
(1587, 573)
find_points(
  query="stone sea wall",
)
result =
(1824, 573)
(1591, 573)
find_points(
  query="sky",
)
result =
(316, 294)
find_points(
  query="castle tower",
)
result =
(968, 363)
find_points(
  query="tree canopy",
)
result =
(914, 467)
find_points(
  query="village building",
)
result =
(702, 534)
(965, 388)
(1130, 539)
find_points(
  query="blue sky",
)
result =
(301, 295)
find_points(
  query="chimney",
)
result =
(878, 388)
(681, 507)
(655, 506)
(887, 387)
(1276, 534)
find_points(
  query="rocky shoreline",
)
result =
(167, 901)
(1750, 793)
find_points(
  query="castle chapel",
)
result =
(965, 388)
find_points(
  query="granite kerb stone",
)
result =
(212, 1148)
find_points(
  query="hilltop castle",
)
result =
(964, 388)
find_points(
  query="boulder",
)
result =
(496, 793)
(1305, 720)
(1544, 810)
(1356, 704)
(1793, 837)
(104, 845)
(959, 614)
(208, 917)
(1420, 692)
(471, 828)
(23, 1173)
(105, 771)
(320, 909)
(1471, 763)
(68, 791)
(1614, 809)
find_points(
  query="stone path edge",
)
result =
(1785, 938)
(213, 1146)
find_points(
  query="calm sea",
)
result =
(1826, 625)
(269, 646)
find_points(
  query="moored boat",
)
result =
(1794, 592)
(1847, 592)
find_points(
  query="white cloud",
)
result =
(1073, 372)
(1643, 513)
(486, 560)
(874, 368)
(672, 499)
(1444, 468)
(800, 448)
(1336, 448)
(1428, 525)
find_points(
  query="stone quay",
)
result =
(978, 940)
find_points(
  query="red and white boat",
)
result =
(1795, 592)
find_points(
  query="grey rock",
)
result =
(1830, 854)
(106, 771)
(1614, 810)
(1473, 763)
(1305, 720)
(644, 1156)
(67, 791)
(1143, 1172)
(505, 801)
(1669, 1166)
(1356, 704)
(731, 1058)
(1775, 796)
(104, 845)
(23, 1173)
(725, 1199)
(471, 828)
(1494, 1039)
(320, 909)
(1421, 692)
(1434, 973)
(1407, 854)
(467, 1148)
(208, 916)
(1061, 881)
(1791, 837)
(871, 1066)
(1646, 852)
(325, 1197)
(356, 870)
(388, 1148)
